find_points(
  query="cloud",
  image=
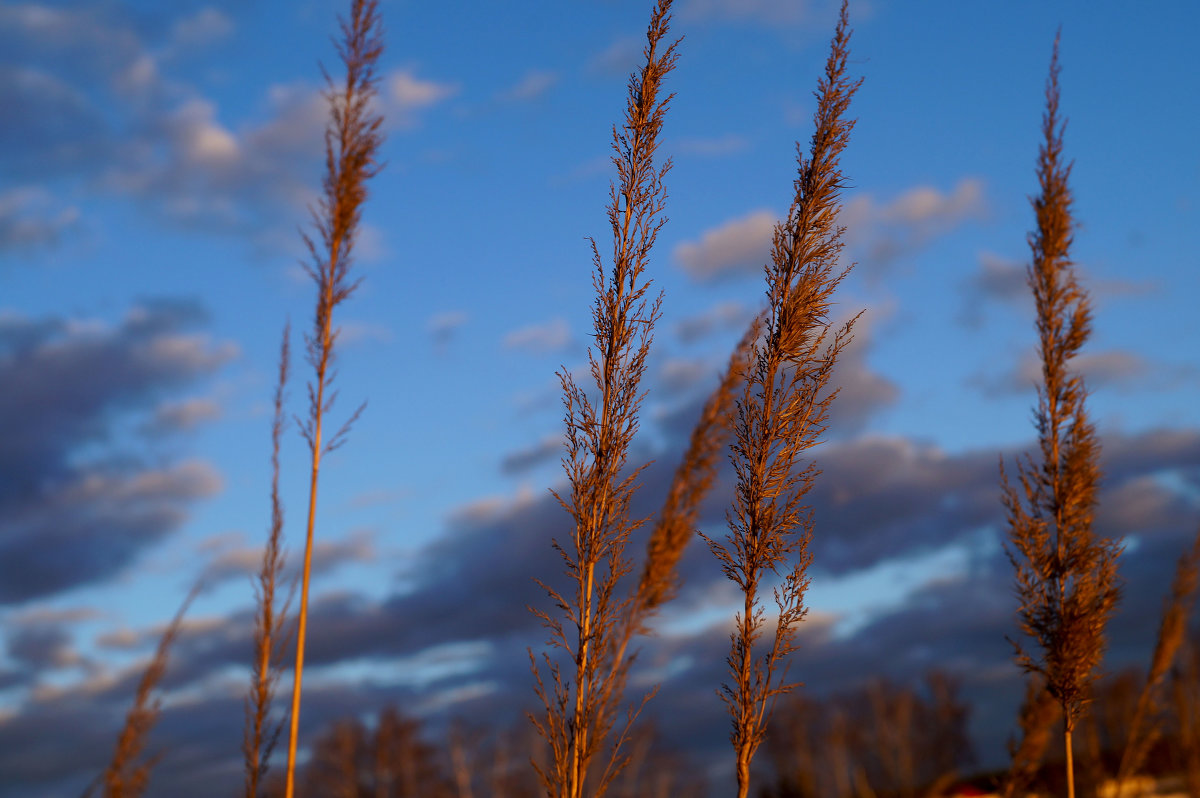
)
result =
(1112, 369)
(879, 233)
(206, 26)
(713, 147)
(357, 332)
(182, 416)
(679, 375)
(926, 205)
(532, 85)
(59, 130)
(101, 107)
(620, 57)
(66, 520)
(405, 94)
(552, 336)
(1002, 280)
(723, 315)
(736, 248)
(29, 219)
(444, 326)
(545, 450)
(772, 12)
(997, 280)
(862, 392)
(455, 634)
(42, 648)
(234, 558)
(876, 232)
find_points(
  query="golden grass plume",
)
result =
(781, 414)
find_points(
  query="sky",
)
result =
(157, 164)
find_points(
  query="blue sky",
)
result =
(158, 159)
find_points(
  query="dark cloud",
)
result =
(41, 648)
(66, 521)
(453, 639)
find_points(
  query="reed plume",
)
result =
(580, 706)
(260, 731)
(1066, 577)
(352, 139)
(1039, 712)
(128, 773)
(1185, 690)
(691, 482)
(1171, 630)
(676, 521)
(781, 414)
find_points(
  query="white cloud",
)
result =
(739, 246)
(549, 337)
(878, 231)
(185, 415)
(200, 138)
(618, 58)
(533, 84)
(928, 205)
(403, 93)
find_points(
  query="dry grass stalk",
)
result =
(676, 521)
(1171, 631)
(127, 773)
(581, 706)
(691, 482)
(261, 733)
(1066, 577)
(1185, 688)
(1039, 712)
(782, 414)
(352, 140)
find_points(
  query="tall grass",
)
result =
(128, 772)
(580, 706)
(261, 732)
(1146, 727)
(352, 140)
(781, 414)
(1066, 576)
(1036, 718)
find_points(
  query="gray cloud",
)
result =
(546, 450)
(723, 315)
(454, 636)
(65, 522)
(1117, 370)
(30, 218)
